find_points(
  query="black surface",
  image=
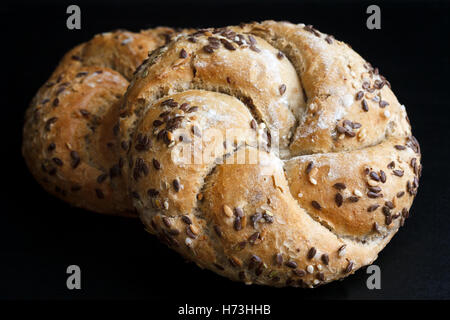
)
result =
(40, 235)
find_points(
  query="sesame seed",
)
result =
(196, 131)
(349, 267)
(235, 262)
(99, 194)
(299, 272)
(339, 186)
(188, 242)
(238, 212)
(57, 161)
(359, 95)
(320, 276)
(255, 218)
(365, 106)
(152, 193)
(51, 146)
(282, 89)
(341, 129)
(291, 264)
(398, 173)
(183, 54)
(167, 222)
(309, 167)
(375, 189)
(382, 176)
(228, 45)
(311, 253)
(237, 224)
(208, 49)
(374, 176)
(228, 211)
(338, 199)
(268, 216)
(376, 227)
(135, 195)
(157, 123)
(388, 220)
(365, 85)
(49, 123)
(75, 159)
(192, 109)
(156, 164)
(316, 205)
(373, 207)
(186, 219)
(372, 183)
(386, 211)
(252, 239)
(353, 199)
(102, 177)
(124, 145)
(255, 48)
(399, 147)
(193, 229)
(254, 261)
(325, 259)
(383, 103)
(310, 269)
(170, 102)
(373, 195)
(389, 204)
(405, 213)
(218, 231)
(176, 185)
(341, 250)
(279, 259)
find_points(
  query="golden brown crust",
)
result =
(312, 211)
(69, 140)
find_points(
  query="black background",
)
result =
(40, 235)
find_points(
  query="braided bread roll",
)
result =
(69, 138)
(269, 153)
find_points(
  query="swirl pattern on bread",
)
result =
(337, 167)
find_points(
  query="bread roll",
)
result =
(69, 138)
(269, 153)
